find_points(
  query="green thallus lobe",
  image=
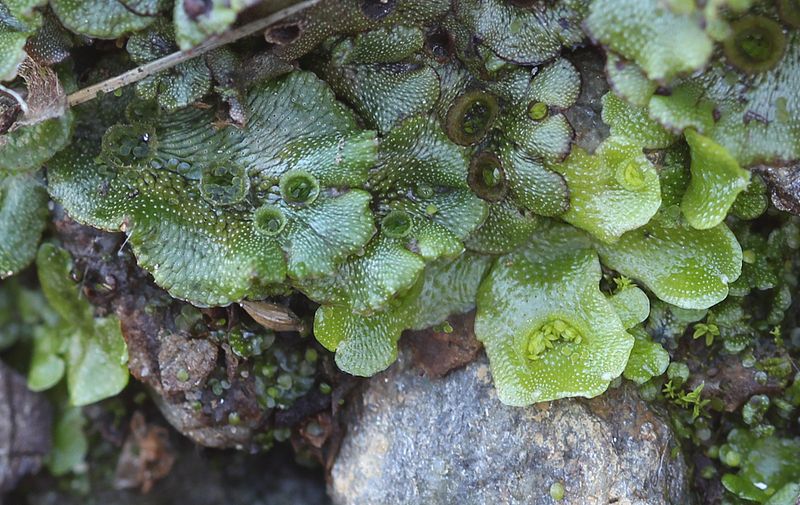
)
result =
(224, 184)
(126, 145)
(790, 12)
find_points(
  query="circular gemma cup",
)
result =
(269, 220)
(299, 187)
(125, 146)
(755, 45)
(224, 184)
(470, 117)
(397, 224)
(487, 178)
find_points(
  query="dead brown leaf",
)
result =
(146, 456)
(45, 98)
(273, 316)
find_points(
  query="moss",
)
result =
(765, 465)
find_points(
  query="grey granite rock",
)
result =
(25, 424)
(413, 440)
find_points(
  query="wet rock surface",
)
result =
(194, 357)
(414, 440)
(25, 426)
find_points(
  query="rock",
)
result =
(725, 378)
(784, 186)
(178, 355)
(201, 477)
(586, 115)
(438, 352)
(175, 364)
(413, 440)
(25, 429)
(157, 352)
